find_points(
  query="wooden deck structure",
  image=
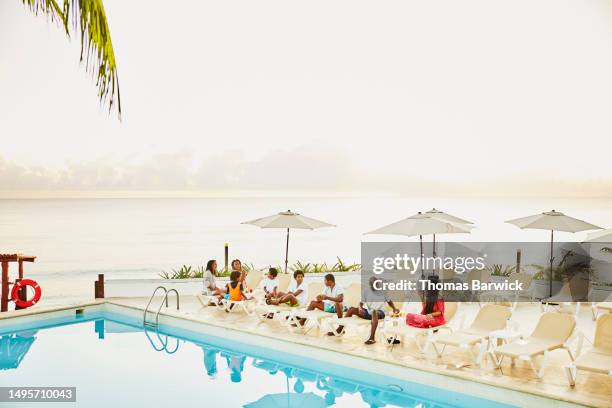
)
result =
(5, 260)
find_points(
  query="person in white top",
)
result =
(372, 308)
(297, 293)
(210, 284)
(329, 301)
(270, 285)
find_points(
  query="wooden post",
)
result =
(518, 261)
(20, 269)
(23, 294)
(5, 287)
(99, 287)
(226, 254)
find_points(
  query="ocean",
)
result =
(140, 237)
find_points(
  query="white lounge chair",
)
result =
(263, 311)
(284, 279)
(507, 298)
(314, 318)
(423, 336)
(599, 358)
(352, 299)
(253, 279)
(489, 319)
(554, 331)
(208, 300)
(251, 283)
(569, 297)
(601, 307)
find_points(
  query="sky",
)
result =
(474, 97)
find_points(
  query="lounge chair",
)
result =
(569, 297)
(355, 322)
(314, 318)
(473, 275)
(599, 358)
(507, 298)
(208, 300)
(390, 333)
(489, 319)
(352, 298)
(603, 307)
(247, 306)
(253, 280)
(284, 279)
(554, 331)
(263, 311)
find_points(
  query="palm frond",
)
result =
(88, 18)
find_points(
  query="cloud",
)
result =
(310, 168)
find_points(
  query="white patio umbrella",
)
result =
(441, 215)
(288, 220)
(553, 221)
(603, 236)
(422, 224)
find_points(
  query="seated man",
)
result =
(297, 293)
(372, 308)
(329, 301)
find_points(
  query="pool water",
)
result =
(113, 364)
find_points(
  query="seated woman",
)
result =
(432, 314)
(210, 284)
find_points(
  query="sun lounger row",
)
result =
(487, 336)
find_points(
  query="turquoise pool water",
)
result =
(114, 364)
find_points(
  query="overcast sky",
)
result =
(316, 96)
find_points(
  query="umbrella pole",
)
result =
(287, 251)
(421, 241)
(434, 245)
(550, 280)
(434, 253)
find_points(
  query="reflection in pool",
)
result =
(116, 364)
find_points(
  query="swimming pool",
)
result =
(113, 362)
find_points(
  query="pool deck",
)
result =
(590, 390)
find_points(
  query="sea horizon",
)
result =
(141, 237)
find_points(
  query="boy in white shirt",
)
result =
(270, 285)
(297, 293)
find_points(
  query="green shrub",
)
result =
(190, 272)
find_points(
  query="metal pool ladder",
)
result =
(165, 300)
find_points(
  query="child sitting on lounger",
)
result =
(297, 292)
(237, 267)
(432, 314)
(270, 286)
(372, 308)
(235, 289)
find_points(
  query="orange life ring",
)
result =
(26, 303)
